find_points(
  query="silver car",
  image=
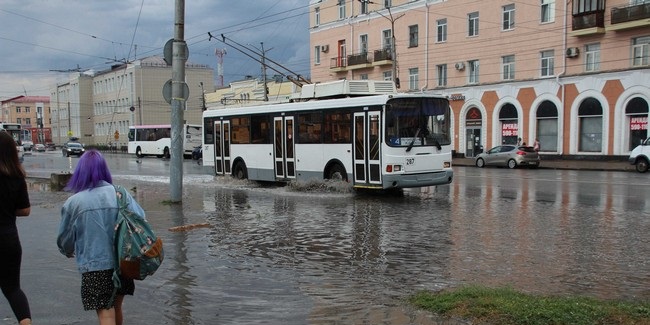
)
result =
(510, 156)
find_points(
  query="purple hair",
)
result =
(90, 171)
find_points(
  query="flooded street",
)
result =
(275, 255)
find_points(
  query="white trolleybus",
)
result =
(155, 140)
(374, 138)
(15, 130)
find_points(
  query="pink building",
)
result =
(574, 74)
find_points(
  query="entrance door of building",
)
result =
(473, 142)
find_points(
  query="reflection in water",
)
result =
(274, 256)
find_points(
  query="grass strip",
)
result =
(505, 306)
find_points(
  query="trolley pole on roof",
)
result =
(178, 102)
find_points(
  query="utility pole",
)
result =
(178, 102)
(266, 93)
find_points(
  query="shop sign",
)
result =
(509, 129)
(638, 123)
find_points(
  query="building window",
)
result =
(442, 75)
(548, 11)
(587, 6)
(387, 39)
(640, 51)
(317, 16)
(508, 117)
(317, 50)
(547, 126)
(17, 109)
(472, 71)
(413, 36)
(592, 57)
(636, 113)
(363, 76)
(508, 67)
(472, 20)
(341, 9)
(508, 17)
(388, 75)
(27, 110)
(441, 30)
(590, 119)
(18, 120)
(28, 121)
(547, 63)
(413, 79)
(363, 43)
(364, 6)
(388, 3)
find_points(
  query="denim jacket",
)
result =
(87, 229)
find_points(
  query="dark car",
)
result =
(510, 156)
(197, 153)
(72, 148)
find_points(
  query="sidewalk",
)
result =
(603, 165)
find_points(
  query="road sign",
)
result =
(167, 91)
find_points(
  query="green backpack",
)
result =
(139, 252)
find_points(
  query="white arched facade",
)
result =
(462, 127)
(496, 126)
(532, 117)
(575, 126)
(621, 123)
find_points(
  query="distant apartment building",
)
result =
(32, 113)
(574, 74)
(98, 108)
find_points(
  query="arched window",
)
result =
(547, 126)
(636, 113)
(509, 125)
(590, 121)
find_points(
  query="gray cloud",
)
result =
(39, 36)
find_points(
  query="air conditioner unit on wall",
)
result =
(460, 66)
(572, 52)
(324, 48)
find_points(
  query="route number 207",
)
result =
(410, 161)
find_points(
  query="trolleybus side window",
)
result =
(240, 128)
(260, 129)
(310, 127)
(338, 127)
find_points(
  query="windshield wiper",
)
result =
(417, 132)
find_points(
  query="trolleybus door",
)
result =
(283, 144)
(222, 147)
(367, 148)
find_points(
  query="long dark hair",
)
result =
(91, 170)
(10, 165)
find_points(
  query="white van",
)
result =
(640, 156)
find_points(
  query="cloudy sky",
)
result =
(39, 36)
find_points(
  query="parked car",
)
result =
(640, 156)
(197, 153)
(28, 145)
(39, 147)
(72, 148)
(510, 156)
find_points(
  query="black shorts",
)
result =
(97, 289)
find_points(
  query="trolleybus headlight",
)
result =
(447, 164)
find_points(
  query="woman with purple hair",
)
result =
(87, 233)
(15, 203)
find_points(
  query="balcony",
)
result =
(382, 57)
(359, 61)
(589, 23)
(338, 64)
(630, 17)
